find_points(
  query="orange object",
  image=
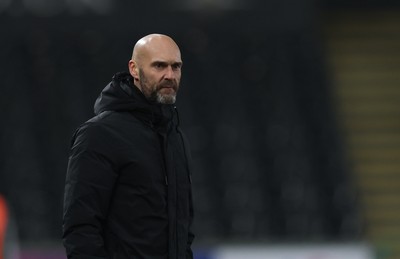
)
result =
(3, 223)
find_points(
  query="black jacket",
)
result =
(128, 184)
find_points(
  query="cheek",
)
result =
(178, 76)
(150, 80)
(154, 77)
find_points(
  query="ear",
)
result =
(133, 69)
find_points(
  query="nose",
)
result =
(169, 73)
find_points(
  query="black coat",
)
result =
(128, 184)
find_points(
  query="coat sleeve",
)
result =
(88, 190)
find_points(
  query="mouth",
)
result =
(167, 90)
(168, 86)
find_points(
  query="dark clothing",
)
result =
(128, 185)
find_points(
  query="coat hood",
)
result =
(122, 95)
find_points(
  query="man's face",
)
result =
(158, 71)
(159, 81)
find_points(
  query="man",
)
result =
(128, 185)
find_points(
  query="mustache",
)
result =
(171, 84)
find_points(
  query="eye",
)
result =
(159, 65)
(176, 66)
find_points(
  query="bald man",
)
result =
(128, 182)
(156, 68)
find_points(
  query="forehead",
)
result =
(162, 50)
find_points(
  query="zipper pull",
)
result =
(166, 180)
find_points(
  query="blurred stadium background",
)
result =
(292, 108)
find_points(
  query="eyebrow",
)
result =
(159, 62)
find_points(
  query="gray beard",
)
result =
(165, 99)
(156, 97)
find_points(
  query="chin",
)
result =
(166, 99)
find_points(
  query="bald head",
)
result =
(153, 44)
(156, 66)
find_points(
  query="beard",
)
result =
(152, 91)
